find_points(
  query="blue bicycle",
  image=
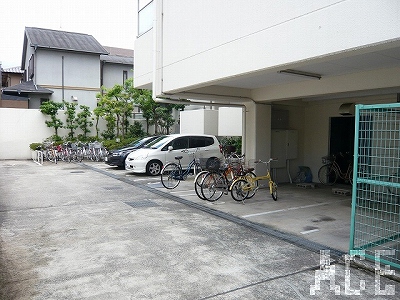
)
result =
(172, 173)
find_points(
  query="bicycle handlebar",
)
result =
(265, 162)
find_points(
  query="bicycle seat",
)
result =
(248, 170)
(178, 157)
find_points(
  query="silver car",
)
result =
(155, 155)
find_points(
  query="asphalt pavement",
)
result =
(88, 231)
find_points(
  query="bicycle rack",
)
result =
(38, 157)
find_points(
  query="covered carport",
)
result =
(317, 99)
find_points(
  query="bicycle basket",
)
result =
(213, 164)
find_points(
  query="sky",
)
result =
(111, 23)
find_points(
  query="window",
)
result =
(200, 141)
(145, 16)
(124, 76)
(180, 143)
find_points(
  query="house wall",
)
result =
(29, 52)
(113, 74)
(14, 103)
(12, 78)
(81, 75)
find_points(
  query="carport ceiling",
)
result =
(335, 65)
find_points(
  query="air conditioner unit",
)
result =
(347, 109)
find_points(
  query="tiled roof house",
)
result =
(70, 66)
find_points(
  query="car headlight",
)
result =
(139, 157)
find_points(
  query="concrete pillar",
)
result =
(257, 131)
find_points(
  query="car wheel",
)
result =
(154, 168)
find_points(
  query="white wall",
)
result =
(230, 121)
(201, 121)
(222, 39)
(21, 127)
(226, 121)
(143, 60)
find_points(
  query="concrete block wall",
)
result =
(21, 127)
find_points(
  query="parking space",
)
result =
(73, 231)
(317, 214)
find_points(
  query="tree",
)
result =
(83, 120)
(145, 103)
(99, 112)
(136, 129)
(117, 107)
(156, 114)
(51, 108)
(70, 121)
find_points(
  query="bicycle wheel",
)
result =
(170, 175)
(239, 190)
(252, 192)
(210, 187)
(79, 155)
(197, 169)
(274, 191)
(351, 176)
(327, 174)
(197, 183)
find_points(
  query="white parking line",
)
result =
(309, 231)
(285, 209)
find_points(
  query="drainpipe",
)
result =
(62, 77)
(102, 63)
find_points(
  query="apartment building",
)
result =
(297, 66)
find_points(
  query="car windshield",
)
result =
(135, 143)
(157, 143)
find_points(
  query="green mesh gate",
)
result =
(375, 218)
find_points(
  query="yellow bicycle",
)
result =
(245, 185)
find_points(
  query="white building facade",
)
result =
(290, 65)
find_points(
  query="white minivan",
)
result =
(155, 155)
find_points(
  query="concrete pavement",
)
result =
(70, 231)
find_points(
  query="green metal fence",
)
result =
(375, 218)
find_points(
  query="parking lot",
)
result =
(314, 213)
(88, 231)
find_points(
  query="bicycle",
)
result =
(329, 173)
(50, 152)
(243, 186)
(218, 181)
(172, 173)
(197, 183)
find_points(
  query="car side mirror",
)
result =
(170, 148)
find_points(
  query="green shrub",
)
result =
(35, 146)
